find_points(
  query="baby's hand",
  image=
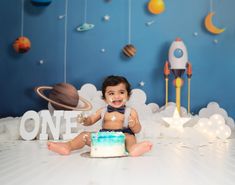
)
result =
(131, 122)
(82, 118)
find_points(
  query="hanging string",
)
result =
(85, 11)
(65, 40)
(129, 22)
(211, 5)
(22, 17)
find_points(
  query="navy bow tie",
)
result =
(119, 109)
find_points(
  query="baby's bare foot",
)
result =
(60, 148)
(140, 148)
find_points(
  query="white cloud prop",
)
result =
(214, 108)
(88, 91)
(9, 128)
(214, 127)
(153, 107)
(137, 94)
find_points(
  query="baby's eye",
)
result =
(110, 94)
(122, 92)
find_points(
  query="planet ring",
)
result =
(40, 91)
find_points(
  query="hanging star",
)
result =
(61, 16)
(216, 41)
(149, 23)
(176, 121)
(142, 83)
(106, 17)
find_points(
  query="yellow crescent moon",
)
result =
(210, 26)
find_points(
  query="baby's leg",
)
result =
(59, 147)
(140, 148)
(65, 148)
(137, 149)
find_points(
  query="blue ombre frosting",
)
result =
(107, 138)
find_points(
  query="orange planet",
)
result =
(129, 50)
(22, 44)
(156, 6)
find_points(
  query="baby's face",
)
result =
(116, 96)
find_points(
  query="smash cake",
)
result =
(108, 144)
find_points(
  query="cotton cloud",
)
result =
(214, 108)
(213, 127)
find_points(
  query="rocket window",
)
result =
(178, 53)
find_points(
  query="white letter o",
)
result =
(26, 135)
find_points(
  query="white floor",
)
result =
(169, 163)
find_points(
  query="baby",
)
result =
(116, 117)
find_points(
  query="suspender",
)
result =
(126, 115)
(104, 110)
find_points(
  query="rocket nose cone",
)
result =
(178, 39)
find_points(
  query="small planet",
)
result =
(22, 44)
(41, 2)
(85, 27)
(63, 96)
(129, 50)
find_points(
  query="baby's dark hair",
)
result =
(113, 81)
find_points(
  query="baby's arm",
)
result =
(134, 123)
(90, 120)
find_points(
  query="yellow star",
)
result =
(176, 121)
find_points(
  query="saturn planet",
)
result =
(85, 27)
(63, 96)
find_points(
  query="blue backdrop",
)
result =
(212, 56)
